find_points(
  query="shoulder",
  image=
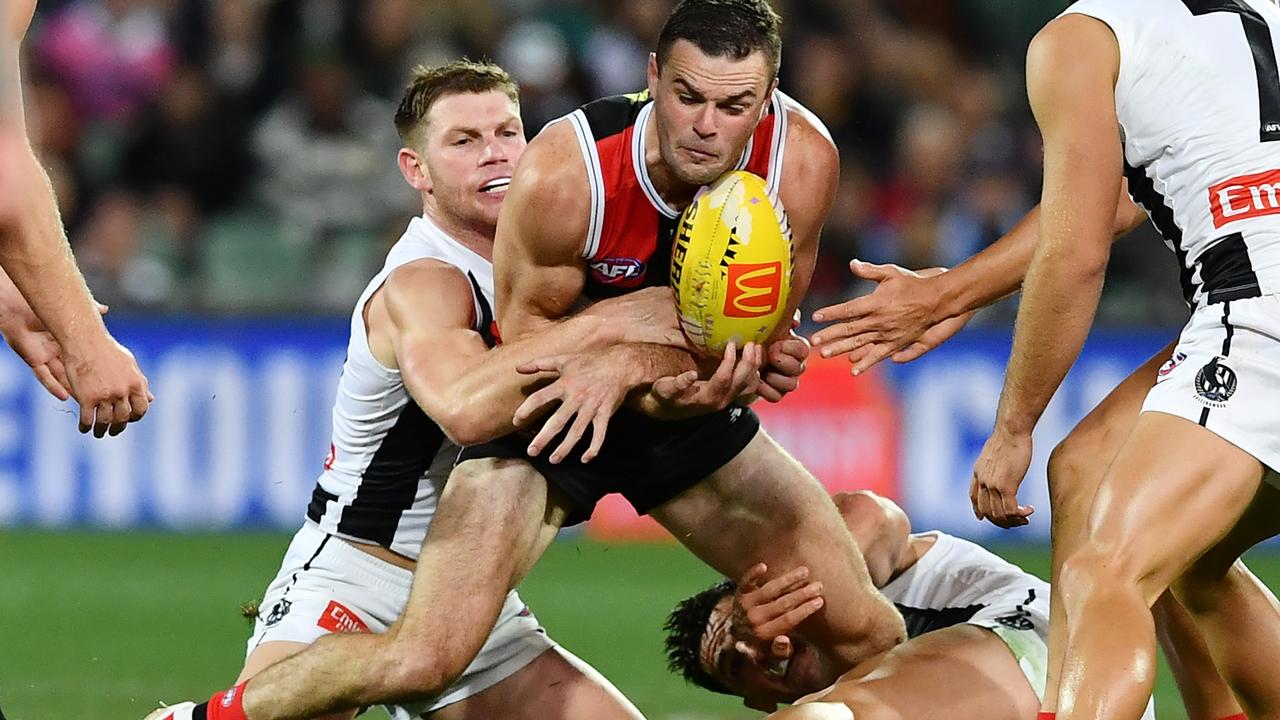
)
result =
(554, 165)
(810, 149)
(1072, 41)
(429, 283)
(811, 163)
(549, 202)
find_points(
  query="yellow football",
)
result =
(731, 264)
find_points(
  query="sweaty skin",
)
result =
(707, 107)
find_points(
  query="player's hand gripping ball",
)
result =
(731, 264)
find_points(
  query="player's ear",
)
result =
(653, 74)
(413, 169)
(764, 106)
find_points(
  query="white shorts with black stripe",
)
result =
(1225, 376)
(325, 585)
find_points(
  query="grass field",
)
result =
(103, 625)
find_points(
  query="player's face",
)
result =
(760, 682)
(473, 141)
(706, 108)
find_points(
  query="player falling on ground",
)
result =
(979, 628)
(47, 315)
(418, 381)
(598, 191)
(1188, 477)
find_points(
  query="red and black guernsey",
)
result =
(631, 228)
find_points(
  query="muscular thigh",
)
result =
(762, 505)
(1094, 441)
(555, 686)
(1174, 490)
(958, 673)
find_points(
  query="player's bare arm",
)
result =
(102, 374)
(810, 175)
(911, 312)
(539, 272)
(538, 269)
(449, 370)
(1071, 69)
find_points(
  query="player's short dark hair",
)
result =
(685, 627)
(724, 28)
(429, 84)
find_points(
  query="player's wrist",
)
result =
(1015, 423)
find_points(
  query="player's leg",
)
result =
(1205, 695)
(555, 686)
(1174, 490)
(962, 672)
(494, 520)
(1076, 466)
(1223, 597)
(763, 505)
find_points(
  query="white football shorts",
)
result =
(1225, 376)
(325, 585)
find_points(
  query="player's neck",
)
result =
(477, 238)
(675, 193)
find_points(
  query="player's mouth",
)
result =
(496, 186)
(700, 156)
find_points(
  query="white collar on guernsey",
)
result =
(642, 168)
(422, 229)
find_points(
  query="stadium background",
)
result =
(226, 172)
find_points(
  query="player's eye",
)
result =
(688, 100)
(462, 141)
(735, 109)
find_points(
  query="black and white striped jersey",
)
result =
(956, 581)
(1198, 100)
(388, 461)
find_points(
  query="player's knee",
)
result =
(1070, 464)
(1101, 567)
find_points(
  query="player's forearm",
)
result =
(1059, 300)
(992, 274)
(658, 361)
(37, 258)
(338, 672)
(484, 398)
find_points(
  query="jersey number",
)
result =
(1264, 58)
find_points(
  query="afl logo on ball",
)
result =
(1215, 384)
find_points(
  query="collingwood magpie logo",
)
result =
(1215, 384)
(278, 612)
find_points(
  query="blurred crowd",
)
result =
(239, 155)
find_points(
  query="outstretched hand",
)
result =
(901, 319)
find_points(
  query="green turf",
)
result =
(104, 624)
